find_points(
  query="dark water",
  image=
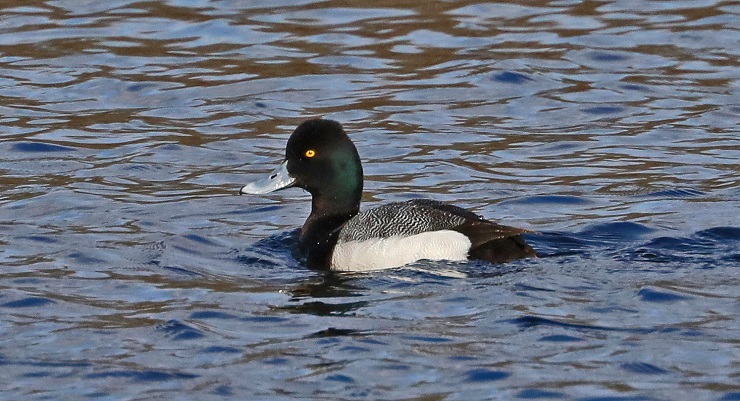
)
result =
(130, 270)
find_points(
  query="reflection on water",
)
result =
(131, 270)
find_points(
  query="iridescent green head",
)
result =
(321, 159)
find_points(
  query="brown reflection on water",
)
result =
(552, 98)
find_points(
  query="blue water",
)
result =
(131, 270)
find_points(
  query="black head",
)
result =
(324, 161)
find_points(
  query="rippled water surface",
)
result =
(131, 270)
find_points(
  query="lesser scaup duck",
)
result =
(321, 159)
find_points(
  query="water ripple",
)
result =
(609, 130)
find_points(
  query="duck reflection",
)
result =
(306, 295)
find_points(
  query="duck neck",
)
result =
(327, 203)
(335, 199)
(330, 211)
(321, 230)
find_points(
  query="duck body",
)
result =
(321, 159)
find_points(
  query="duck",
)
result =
(321, 159)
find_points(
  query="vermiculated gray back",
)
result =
(403, 218)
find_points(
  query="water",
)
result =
(131, 270)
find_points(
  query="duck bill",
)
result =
(277, 179)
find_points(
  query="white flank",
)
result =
(384, 253)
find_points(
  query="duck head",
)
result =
(321, 159)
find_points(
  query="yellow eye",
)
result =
(310, 153)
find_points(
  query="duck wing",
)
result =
(422, 215)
